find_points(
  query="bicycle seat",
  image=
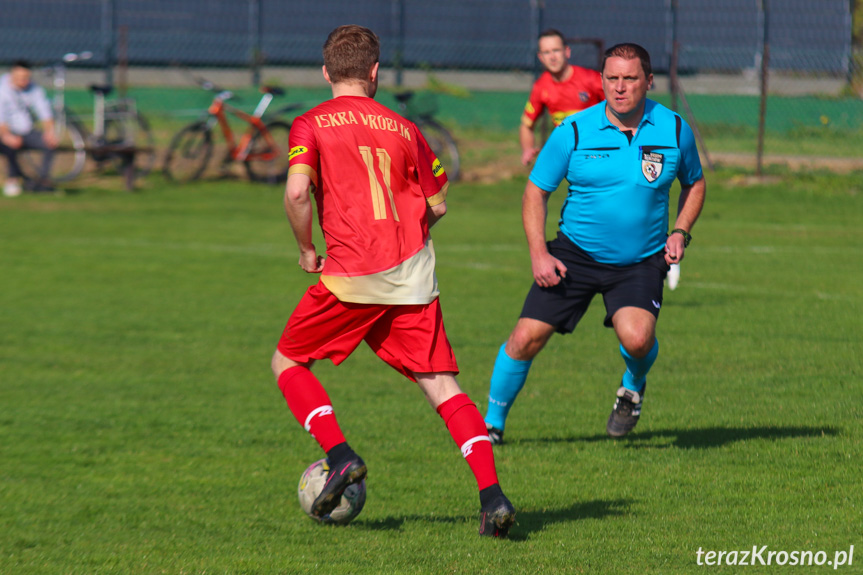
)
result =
(103, 89)
(404, 96)
(274, 90)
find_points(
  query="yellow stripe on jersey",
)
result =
(306, 170)
(439, 197)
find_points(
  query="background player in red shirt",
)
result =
(563, 89)
(378, 189)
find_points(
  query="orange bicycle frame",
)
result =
(241, 151)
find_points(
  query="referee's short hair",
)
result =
(629, 51)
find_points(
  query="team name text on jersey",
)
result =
(374, 122)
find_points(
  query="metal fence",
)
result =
(466, 34)
(807, 45)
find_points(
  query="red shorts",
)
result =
(410, 338)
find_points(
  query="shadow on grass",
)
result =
(526, 522)
(706, 438)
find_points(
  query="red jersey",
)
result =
(373, 176)
(582, 90)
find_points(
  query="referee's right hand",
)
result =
(547, 270)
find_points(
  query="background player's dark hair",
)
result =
(629, 51)
(550, 32)
(21, 64)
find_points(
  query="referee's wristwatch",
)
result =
(687, 237)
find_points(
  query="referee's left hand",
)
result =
(674, 249)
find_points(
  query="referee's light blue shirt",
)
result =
(617, 206)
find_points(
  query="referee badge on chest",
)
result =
(651, 165)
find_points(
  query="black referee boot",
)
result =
(627, 410)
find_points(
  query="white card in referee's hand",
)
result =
(673, 276)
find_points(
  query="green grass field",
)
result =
(141, 430)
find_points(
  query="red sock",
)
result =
(467, 428)
(310, 404)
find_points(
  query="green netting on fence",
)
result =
(808, 125)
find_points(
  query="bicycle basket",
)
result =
(422, 105)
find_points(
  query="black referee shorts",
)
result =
(563, 305)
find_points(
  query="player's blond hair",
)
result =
(350, 52)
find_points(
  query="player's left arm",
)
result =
(435, 213)
(433, 180)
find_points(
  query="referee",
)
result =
(619, 158)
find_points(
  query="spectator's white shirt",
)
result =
(17, 107)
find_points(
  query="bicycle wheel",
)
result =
(268, 161)
(443, 145)
(133, 131)
(189, 152)
(69, 156)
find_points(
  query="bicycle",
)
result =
(420, 110)
(263, 148)
(121, 138)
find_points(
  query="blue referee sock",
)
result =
(507, 379)
(635, 377)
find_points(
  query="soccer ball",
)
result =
(311, 483)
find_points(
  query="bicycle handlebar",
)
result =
(73, 57)
(221, 93)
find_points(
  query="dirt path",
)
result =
(838, 165)
(504, 163)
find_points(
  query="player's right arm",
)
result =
(298, 207)
(302, 178)
(526, 137)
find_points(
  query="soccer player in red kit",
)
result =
(562, 88)
(378, 188)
